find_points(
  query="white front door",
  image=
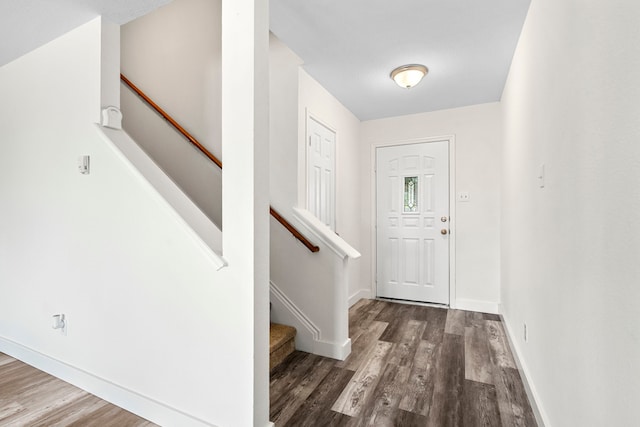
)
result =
(321, 172)
(413, 222)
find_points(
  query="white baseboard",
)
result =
(362, 293)
(332, 350)
(130, 400)
(309, 336)
(475, 305)
(534, 400)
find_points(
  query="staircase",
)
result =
(282, 337)
(281, 343)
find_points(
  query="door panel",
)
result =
(321, 172)
(412, 185)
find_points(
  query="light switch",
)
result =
(541, 176)
(83, 165)
(463, 196)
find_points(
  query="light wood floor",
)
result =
(409, 366)
(29, 397)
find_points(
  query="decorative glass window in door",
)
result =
(410, 194)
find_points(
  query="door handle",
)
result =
(444, 231)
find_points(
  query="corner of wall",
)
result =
(110, 64)
(532, 394)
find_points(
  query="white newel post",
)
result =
(245, 182)
(341, 306)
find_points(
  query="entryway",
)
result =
(413, 218)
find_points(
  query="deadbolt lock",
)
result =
(444, 219)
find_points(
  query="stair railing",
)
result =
(286, 224)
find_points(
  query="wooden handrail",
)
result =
(286, 224)
(293, 230)
(173, 123)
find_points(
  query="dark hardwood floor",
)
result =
(30, 397)
(410, 366)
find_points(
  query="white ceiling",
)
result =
(28, 24)
(351, 46)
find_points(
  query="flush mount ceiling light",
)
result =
(410, 75)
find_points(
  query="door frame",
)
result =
(451, 141)
(311, 116)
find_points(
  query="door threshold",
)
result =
(409, 302)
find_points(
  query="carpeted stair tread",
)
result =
(281, 343)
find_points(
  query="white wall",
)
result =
(283, 146)
(315, 100)
(148, 315)
(570, 250)
(477, 131)
(173, 55)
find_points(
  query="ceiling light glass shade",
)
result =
(409, 75)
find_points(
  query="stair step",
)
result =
(281, 343)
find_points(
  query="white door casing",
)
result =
(321, 185)
(412, 188)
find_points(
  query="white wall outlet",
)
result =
(463, 196)
(525, 333)
(60, 323)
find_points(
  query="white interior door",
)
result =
(413, 222)
(321, 172)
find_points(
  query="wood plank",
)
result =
(315, 408)
(328, 419)
(501, 355)
(446, 404)
(409, 419)
(436, 319)
(514, 406)
(4, 359)
(111, 416)
(419, 390)
(477, 356)
(480, 405)
(75, 411)
(491, 316)
(455, 322)
(434, 392)
(355, 308)
(380, 410)
(284, 377)
(401, 314)
(363, 345)
(42, 400)
(9, 410)
(30, 397)
(473, 318)
(389, 312)
(363, 317)
(287, 404)
(420, 312)
(364, 381)
(404, 351)
(17, 377)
